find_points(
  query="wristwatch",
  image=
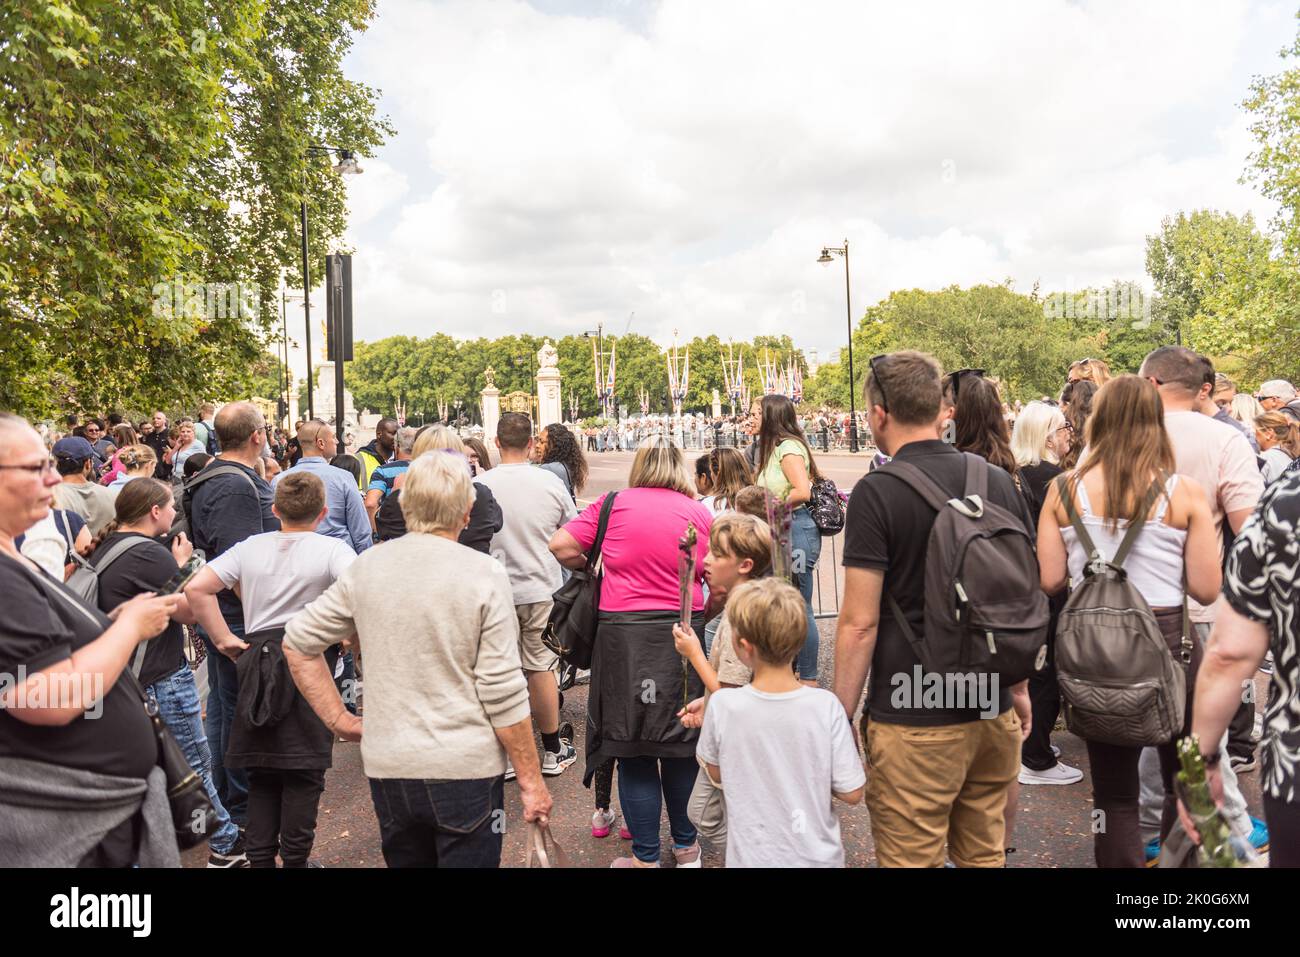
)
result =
(1212, 760)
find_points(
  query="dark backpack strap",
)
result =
(606, 507)
(912, 638)
(1135, 528)
(977, 477)
(919, 482)
(116, 552)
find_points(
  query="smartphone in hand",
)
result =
(184, 575)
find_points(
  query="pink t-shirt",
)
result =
(1219, 458)
(640, 547)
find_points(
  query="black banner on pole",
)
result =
(338, 303)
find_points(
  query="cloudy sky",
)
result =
(560, 163)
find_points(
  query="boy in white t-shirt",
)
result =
(779, 749)
(276, 735)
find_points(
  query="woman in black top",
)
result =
(63, 646)
(145, 512)
(1038, 441)
(485, 518)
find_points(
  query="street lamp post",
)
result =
(825, 257)
(347, 166)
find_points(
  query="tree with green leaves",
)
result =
(149, 153)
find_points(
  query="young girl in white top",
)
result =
(1128, 452)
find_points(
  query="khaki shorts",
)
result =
(928, 787)
(707, 810)
(533, 655)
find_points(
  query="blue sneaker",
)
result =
(1152, 851)
(1259, 835)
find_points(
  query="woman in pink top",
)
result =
(638, 681)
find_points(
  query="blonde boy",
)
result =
(780, 749)
(740, 548)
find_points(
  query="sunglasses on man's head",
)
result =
(875, 377)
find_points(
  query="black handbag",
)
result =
(193, 816)
(194, 819)
(571, 628)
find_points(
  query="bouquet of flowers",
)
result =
(1218, 848)
(686, 584)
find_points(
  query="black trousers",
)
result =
(1045, 707)
(603, 782)
(1283, 832)
(1240, 729)
(282, 808)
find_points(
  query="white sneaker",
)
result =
(553, 763)
(1057, 774)
(510, 770)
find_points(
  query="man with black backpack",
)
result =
(937, 775)
(226, 503)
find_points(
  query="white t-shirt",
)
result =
(781, 756)
(534, 504)
(280, 573)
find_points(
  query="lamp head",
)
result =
(825, 257)
(347, 164)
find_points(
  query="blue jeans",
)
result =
(440, 823)
(178, 706)
(223, 693)
(806, 548)
(644, 785)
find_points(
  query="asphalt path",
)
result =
(1052, 827)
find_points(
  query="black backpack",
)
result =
(571, 629)
(187, 491)
(984, 609)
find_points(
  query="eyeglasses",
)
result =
(875, 377)
(956, 377)
(49, 465)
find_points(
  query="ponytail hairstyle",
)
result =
(1284, 428)
(137, 457)
(134, 503)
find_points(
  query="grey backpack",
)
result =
(985, 611)
(85, 580)
(1120, 683)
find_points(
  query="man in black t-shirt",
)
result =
(937, 773)
(225, 510)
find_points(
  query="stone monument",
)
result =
(490, 404)
(548, 386)
(323, 393)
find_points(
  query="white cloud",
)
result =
(551, 171)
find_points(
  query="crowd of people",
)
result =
(703, 695)
(823, 428)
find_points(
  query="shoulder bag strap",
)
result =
(606, 507)
(116, 552)
(977, 477)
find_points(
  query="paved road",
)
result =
(1052, 828)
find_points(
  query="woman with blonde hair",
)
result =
(1279, 443)
(634, 651)
(122, 436)
(137, 461)
(1128, 477)
(1040, 437)
(1245, 409)
(1095, 371)
(485, 518)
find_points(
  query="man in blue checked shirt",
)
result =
(383, 477)
(345, 517)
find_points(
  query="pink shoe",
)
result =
(624, 833)
(602, 822)
(626, 862)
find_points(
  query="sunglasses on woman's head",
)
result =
(956, 377)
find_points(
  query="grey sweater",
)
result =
(440, 642)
